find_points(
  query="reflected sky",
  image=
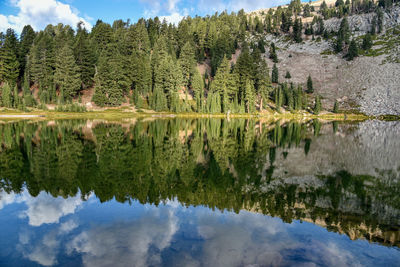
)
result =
(72, 231)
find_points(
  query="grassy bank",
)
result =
(115, 114)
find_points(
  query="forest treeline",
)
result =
(210, 162)
(152, 64)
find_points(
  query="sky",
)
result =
(39, 13)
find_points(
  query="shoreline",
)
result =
(120, 114)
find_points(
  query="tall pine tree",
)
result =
(67, 76)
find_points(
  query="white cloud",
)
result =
(46, 209)
(172, 5)
(251, 5)
(168, 10)
(40, 13)
(174, 18)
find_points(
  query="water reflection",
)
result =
(174, 235)
(94, 193)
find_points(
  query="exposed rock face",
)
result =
(361, 24)
(370, 84)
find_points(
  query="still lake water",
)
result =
(207, 192)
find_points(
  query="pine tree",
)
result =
(288, 76)
(353, 50)
(159, 100)
(310, 87)
(84, 57)
(250, 97)
(245, 68)
(343, 35)
(26, 40)
(9, 65)
(187, 62)
(224, 83)
(213, 103)
(298, 105)
(100, 36)
(275, 74)
(6, 100)
(138, 38)
(41, 64)
(141, 73)
(197, 87)
(111, 81)
(317, 105)
(272, 53)
(278, 98)
(16, 99)
(297, 30)
(67, 76)
(263, 82)
(175, 106)
(367, 42)
(336, 107)
(168, 77)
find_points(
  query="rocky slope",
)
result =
(370, 83)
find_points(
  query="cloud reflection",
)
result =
(46, 209)
(173, 235)
(137, 242)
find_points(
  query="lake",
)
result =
(199, 192)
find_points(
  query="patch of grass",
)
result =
(327, 52)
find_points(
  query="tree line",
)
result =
(153, 64)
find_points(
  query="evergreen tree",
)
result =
(111, 81)
(263, 82)
(367, 42)
(9, 65)
(158, 100)
(214, 102)
(275, 74)
(298, 103)
(353, 50)
(379, 14)
(297, 30)
(317, 105)
(310, 87)
(343, 36)
(278, 98)
(100, 37)
(288, 76)
(41, 64)
(197, 87)
(175, 106)
(6, 100)
(187, 62)
(250, 97)
(225, 84)
(84, 57)
(168, 77)
(26, 40)
(245, 69)
(16, 99)
(336, 107)
(141, 73)
(67, 76)
(272, 53)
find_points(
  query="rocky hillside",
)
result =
(369, 83)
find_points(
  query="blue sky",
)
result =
(39, 13)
